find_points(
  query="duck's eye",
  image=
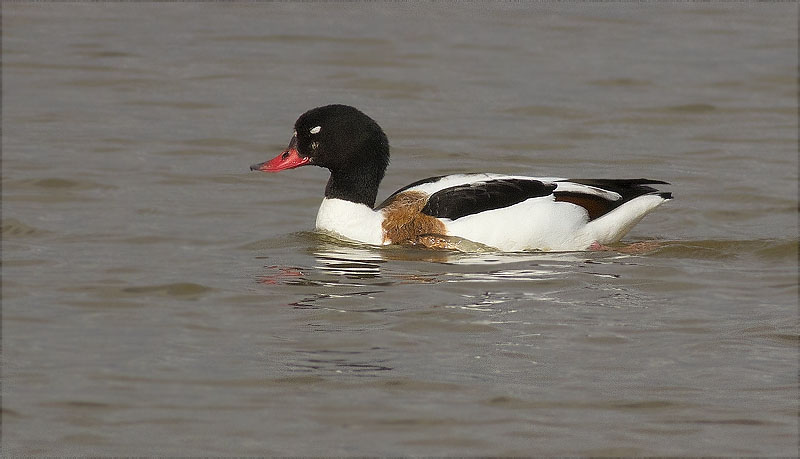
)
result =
(315, 130)
(314, 145)
(285, 155)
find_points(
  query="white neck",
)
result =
(356, 222)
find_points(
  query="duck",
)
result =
(508, 213)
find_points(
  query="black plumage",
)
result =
(462, 200)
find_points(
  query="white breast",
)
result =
(356, 222)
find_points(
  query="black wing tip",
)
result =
(627, 188)
(644, 181)
(639, 181)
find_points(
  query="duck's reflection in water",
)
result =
(352, 262)
(339, 263)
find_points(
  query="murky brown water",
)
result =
(159, 299)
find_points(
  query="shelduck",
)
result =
(505, 212)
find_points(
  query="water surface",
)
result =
(159, 299)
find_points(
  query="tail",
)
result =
(612, 226)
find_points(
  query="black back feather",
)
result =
(462, 200)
